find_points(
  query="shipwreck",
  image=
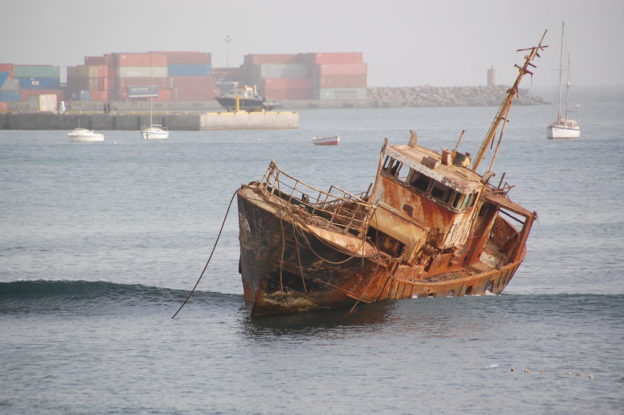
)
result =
(428, 226)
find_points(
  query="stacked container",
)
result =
(9, 86)
(327, 76)
(35, 80)
(134, 71)
(338, 75)
(279, 76)
(189, 75)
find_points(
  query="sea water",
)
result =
(100, 243)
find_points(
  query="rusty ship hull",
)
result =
(289, 264)
(429, 225)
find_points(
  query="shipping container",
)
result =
(341, 69)
(275, 70)
(296, 83)
(187, 57)
(95, 60)
(342, 81)
(281, 93)
(36, 71)
(7, 95)
(3, 77)
(193, 88)
(188, 69)
(38, 83)
(141, 71)
(43, 103)
(161, 82)
(164, 95)
(25, 94)
(11, 84)
(98, 95)
(342, 93)
(7, 67)
(333, 57)
(271, 58)
(140, 59)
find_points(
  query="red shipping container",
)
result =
(342, 69)
(271, 58)
(7, 67)
(164, 95)
(287, 83)
(194, 88)
(98, 95)
(95, 60)
(164, 83)
(25, 94)
(343, 81)
(191, 57)
(141, 59)
(334, 57)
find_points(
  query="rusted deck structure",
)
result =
(429, 225)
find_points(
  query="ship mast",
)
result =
(503, 112)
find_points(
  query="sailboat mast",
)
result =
(560, 71)
(567, 88)
(503, 111)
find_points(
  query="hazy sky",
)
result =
(405, 42)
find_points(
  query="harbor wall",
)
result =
(187, 121)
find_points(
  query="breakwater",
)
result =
(431, 96)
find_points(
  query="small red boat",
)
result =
(333, 140)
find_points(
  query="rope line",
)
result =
(209, 258)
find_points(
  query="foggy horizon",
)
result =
(404, 43)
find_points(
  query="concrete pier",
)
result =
(192, 121)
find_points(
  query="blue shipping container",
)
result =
(3, 77)
(188, 69)
(38, 83)
(9, 96)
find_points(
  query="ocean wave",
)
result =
(63, 295)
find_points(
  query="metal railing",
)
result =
(336, 207)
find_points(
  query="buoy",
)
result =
(527, 371)
(512, 369)
(579, 374)
(541, 372)
(591, 376)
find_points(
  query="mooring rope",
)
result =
(209, 258)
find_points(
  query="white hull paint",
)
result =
(154, 133)
(85, 136)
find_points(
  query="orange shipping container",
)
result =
(182, 57)
(342, 69)
(334, 57)
(271, 58)
(164, 95)
(141, 59)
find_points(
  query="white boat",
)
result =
(563, 127)
(84, 135)
(333, 140)
(154, 132)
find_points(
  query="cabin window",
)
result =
(419, 181)
(392, 166)
(457, 201)
(441, 192)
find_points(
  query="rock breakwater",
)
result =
(431, 96)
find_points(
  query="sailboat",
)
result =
(563, 127)
(154, 131)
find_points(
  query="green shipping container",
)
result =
(39, 71)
